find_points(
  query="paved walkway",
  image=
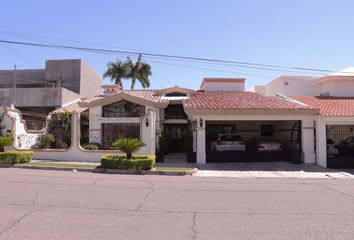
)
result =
(271, 170)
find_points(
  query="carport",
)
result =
(334, 130)
(250, 116)
(340, 146)
(253, 141)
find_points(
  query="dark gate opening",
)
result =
(340, 146)
(253, 141)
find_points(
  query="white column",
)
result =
(308, 140)
(321, 143)
(201, 157)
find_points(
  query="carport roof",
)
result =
(243, 101)
(329, 106)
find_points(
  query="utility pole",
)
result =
(14, 88)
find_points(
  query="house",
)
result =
(44, 90)
(333, 96)
(189, 120)
(41, 91)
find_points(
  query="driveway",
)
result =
(37, 204)
(270, 169)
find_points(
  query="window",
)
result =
(175, 112)
(123, 109)
(266, 130)
(176, 94)
(112, 131)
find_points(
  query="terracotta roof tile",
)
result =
(330, 106)
(149, 95)
(239, 101)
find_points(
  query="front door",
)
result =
(180, 137)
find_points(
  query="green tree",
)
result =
(138, 71)
(128, 145)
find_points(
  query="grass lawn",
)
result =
(63, 165)
(173, 169)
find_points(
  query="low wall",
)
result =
(75, 153)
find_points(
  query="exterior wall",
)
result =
(37, 97)
(224, 86)
(289, 86)
(24, 77)
(340, 87)
(67, 71)
(90, 81)
(147, 133)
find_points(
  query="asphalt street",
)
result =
(37, 204)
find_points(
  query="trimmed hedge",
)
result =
(15, 157)
(121, 162)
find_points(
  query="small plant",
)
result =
(128, 145)
(5, 140)
(45, 141)
(92, 146)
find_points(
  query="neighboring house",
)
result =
(340, 84)
(44, 90)
(333, 96)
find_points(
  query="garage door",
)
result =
(340, 146)
(253, 141)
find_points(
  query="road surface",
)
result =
(37, 204)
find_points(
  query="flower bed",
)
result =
(121, 162)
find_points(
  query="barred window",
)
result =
(123, 109)
(113, 131)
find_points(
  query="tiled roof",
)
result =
(330, 106)
(71, 108)
(239, 101)
(149, 95)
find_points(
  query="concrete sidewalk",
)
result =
(271, 170)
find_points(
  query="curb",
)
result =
(107, 171)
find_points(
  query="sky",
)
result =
(296, 33)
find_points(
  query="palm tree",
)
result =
(128, 145)
(117, 71)
(124, 70)
(139, 71)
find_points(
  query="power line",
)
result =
(234, 63)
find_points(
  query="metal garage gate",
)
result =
(340, 146)
(253, 141)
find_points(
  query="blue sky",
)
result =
(311, 33)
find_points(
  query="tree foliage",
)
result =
(138, 71)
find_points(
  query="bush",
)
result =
(15, 157)
(128, 145)
(92, 146)
(5, 140)
(59, 126)
(121, 162)
(45, 141)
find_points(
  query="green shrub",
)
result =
(128, 145)
(121, 162)
(59, 126)
(15, 157)
(92, 146)
(45, 141)
(5, 140)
